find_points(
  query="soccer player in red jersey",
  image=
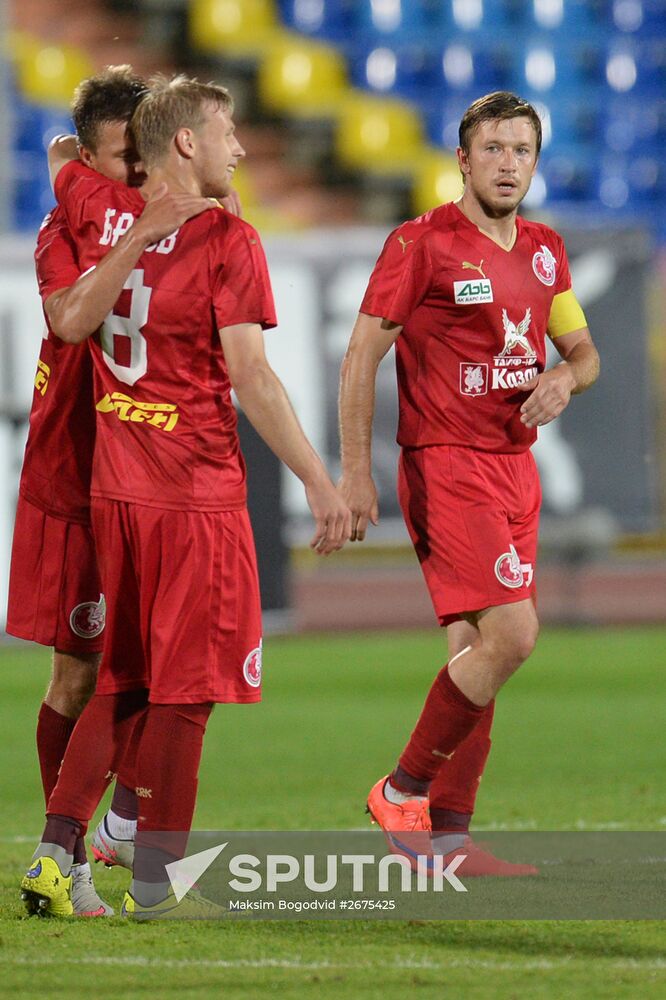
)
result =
(174, 542)
(467, 293)
(55, 596)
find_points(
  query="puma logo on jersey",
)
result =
(466, 266)
(404, 243)
(446, 756)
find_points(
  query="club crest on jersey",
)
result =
(252, 667)
(473, 378)
(544, 265)
(87, 620)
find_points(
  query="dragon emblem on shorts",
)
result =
(88, 619)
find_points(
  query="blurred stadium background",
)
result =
(348, 110)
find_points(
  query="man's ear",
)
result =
(463, 161)
(184, 141)
(86, 155)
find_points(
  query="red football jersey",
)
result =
(166, 426)
(474, 320)
(58, 454)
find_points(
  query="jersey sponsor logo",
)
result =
(252, 667)
(42, 376)
(87, 620)
(511, 572)
(404, 243)
(473, 378)
(161, 415)
(544, 265)
(515, 335)
(516, 363)
(470, 293)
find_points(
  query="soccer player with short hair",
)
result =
(467, 293)
(55, 596)
(172, 532)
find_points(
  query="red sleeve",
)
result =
(240, 282)
(401, 278)
(56, 261)
(563, 274)
(74, 186)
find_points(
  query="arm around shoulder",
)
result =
(62, 150)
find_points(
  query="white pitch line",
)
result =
(490, 965)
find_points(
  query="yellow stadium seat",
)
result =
(302, 79)
(240, 27)
(436, 179)
(48, 73)
(378, 135)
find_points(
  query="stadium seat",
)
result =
(408, 70)
(378, 135)
(244, 28)
(328, 20)
(436, 179)
(301, 78)
(569, 172)
(399, 21)
(47, 74)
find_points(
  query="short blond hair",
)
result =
(169, 105)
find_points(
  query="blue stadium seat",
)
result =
(408, 71)
(326, 19)
(569, 172)
(396, 21)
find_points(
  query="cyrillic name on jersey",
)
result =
(161, 415)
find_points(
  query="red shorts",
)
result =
(473, 517)
(54, 589)
(184, 614)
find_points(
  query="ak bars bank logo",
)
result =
(319, 873)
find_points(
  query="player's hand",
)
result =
(549, 392)
(360, 494)
(332, 517)
(232, 203)
(166, 211)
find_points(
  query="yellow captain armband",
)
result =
(566, 315)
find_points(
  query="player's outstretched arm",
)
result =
(76, 312)
(371, 339)
(267, 407)
(552, 390)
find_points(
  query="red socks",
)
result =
(94, 751)
(448, 717)
(167, 768)
(453, 790)
(53, 733)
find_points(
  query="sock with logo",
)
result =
(167, 767)
(454, 788)
(448, 716)
(93, 752)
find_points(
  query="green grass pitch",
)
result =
(578, 744)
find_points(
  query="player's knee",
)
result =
(73, 683)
